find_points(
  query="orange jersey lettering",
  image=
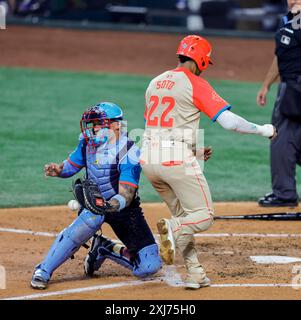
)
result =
(165, 84)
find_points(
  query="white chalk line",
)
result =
(198, 235)
(260, 235)
(81, 290)
(139, 282)
(33, 233)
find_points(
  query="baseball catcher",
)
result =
(108, 193)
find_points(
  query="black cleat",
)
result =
(270, 200)
(93, 260)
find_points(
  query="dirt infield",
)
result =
(225, 256)
(127, 52)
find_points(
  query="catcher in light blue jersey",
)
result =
(108, 194)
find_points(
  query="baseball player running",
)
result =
(174, 102)
(112, 167)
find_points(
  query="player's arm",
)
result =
(231, 121)
(70, 166)
(53, 169)
(271, 77)
(123, 199)
(130, 171)
(217, 109)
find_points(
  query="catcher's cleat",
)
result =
(39, 279)
(167, 248)
(191, 283)
(102, 249)
(93, 260)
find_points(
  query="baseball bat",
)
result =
(287, 216)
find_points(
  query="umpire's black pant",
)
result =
(285, 151)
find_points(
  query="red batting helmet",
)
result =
(196, 48)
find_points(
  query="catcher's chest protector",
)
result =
(103, 166)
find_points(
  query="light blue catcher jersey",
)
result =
(110, 165)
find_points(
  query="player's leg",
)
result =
(185, 244)
(283, 165)
(140, 251)
(191, 189)
(283, 158)
(65, 245)
(132, 229)
(103, 248)
(167, 242)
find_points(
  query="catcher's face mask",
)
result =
(96, 132)
(96, 123)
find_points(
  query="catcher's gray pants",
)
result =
(285, 152)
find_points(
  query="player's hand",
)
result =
(274, 134)
(52, 170)
(204, 153)
(296, 9)
(262, 96)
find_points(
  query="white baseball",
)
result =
(73, 205)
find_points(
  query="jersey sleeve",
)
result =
(77, 157)
(130, 168)
(207, 100)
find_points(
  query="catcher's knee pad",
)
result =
(70, 240)
(147, 261)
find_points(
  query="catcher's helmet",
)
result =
(196, 48)
(102, 115)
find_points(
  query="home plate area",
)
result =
(243, 259)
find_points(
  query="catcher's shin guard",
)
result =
(102, 249)
(147, 261)
(70, 240)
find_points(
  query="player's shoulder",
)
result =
(158, 77)
(203, 82)
(198, 81)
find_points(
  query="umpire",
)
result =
(285, 150)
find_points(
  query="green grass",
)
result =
(40, 113)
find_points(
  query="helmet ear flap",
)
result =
(204, 63)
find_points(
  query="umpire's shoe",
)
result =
(270, 200)
(40, 279)
(167, 248)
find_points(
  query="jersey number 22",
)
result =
(154, 102)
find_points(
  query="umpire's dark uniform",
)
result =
(286, 148)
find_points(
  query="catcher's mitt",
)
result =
(92, 198)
